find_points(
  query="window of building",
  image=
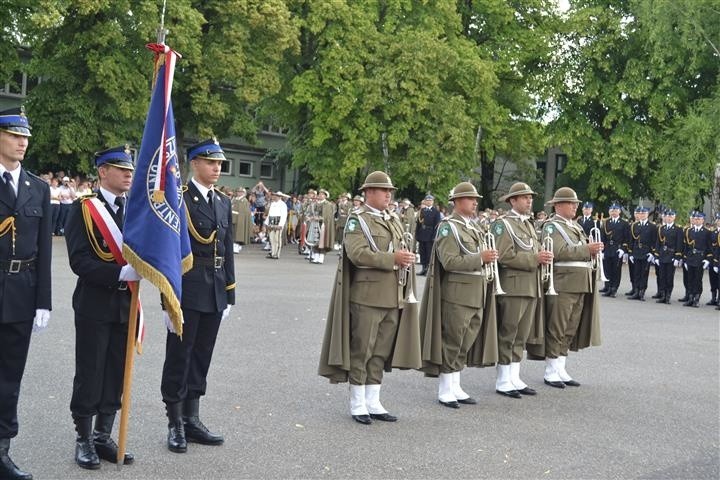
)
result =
(245, 169)
(266, 170)
(226, 167)
(560, 162)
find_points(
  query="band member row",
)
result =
(457, 315)
(667, 252)
(520, 306)
(697, 256)
(208, 292)
(615, 234)
(572, 316)
(643, 236)
(372, 324)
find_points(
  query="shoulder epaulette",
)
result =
(87, 196)
(222, 193)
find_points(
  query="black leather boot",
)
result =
(85, 454)
(685, 298)
(8, 469)
(631, 292)
(714, 299)
(176, 429)
(667, 297)
(659, 294)
(105, 446)
(636, 295)
(696, 301)
(195, 431)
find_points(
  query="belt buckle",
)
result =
(15, 266)
(218, 263)
(123, 286)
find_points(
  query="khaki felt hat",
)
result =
(563, 194)
(464, 189)
(377, 179)
(516, 189)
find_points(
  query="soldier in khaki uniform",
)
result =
(453, 314)
(571, 317)
(519, 309)
(325, 212)
(341, 215)
(408, 216)
(372, 324)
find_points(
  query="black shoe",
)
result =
(630, 293)
(364, 419)
(684, 299)
(269, 255)
(195, 430)
(571, 383)
(383, 417)
(613, 293)
(105, 446)
(176, 441)
(607, 293)
(603, 290)
(467, 401)
(453, 404)
(661, 300)
(555, 384)
(510, 393)
(658, 295)
(527, 391)
(85, 454)
(8, 469)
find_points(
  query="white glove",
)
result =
(602, 255)
(225, 313)
(632, 259)
(716, 269)
(128, 274)
(625, 257)
(657, 261)
(685, 265)
(677, 263)
(168, 323)
(42, 317)
(706, 264)
(650, 258)
(621, 253)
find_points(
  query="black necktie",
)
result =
(120, 202)
(210, 198)
(8, 184)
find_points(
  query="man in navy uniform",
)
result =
(102, 305)
(25, 252)
(587, 222)
(428, 220)
(208, 291)
(614, 234)
(714, 277)
(697, 256)
(643, 235)
(668, 254)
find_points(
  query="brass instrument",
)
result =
(546, 270)
(406, 244)
(597, 262)
(491, 269)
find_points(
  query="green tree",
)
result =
(96, 72)
(390, 85)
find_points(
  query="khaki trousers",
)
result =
(515, 317)
(562, 320)
(372, 335)
(460, 327)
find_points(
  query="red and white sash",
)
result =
(114, 239)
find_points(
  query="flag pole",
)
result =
(127, 378)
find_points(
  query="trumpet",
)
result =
(491, 269)
(546, 270)
(406, 244)
(597, 262)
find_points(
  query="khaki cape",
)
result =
(335, 351)
(483, 353)
(588, 332)
(242, 219)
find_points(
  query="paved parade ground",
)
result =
(648, 406)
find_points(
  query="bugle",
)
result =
(406, 244)
(597, 263)
(546, 270)
(491, 268)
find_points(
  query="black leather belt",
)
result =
(16, 266)
(215, 262)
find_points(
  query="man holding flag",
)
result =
(102, 304)
(208, 291)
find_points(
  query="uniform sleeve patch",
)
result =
(445, 230)
(549, 229)
(498, 228)
(352, 224)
